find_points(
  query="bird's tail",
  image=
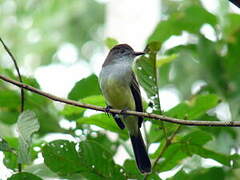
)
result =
(140, 152)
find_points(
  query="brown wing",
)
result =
(137, 97)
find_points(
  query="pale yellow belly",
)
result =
(118, 96)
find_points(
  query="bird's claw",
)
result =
(123, 111)
(107, 110)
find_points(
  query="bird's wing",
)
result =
(137, 97)
(236, 2)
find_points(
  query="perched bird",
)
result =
(121, 91)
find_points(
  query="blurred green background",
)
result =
(193, 60)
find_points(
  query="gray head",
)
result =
(119, 51)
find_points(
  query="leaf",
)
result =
(4, 145)
(27, 124)
(188, 19)
(85, 87)
(110, 42)
(205, 153)
(9, 99)
(8, 116)
(145, 69)
(176, 152)
(165, 60)
(98, 159)
(132, 170)
(24, 176)
(41, 170)
(10, 160)
(172, 157)
(197, 138)
(105, 122)
(62, 158)
(201, 173)
(73, 112)
(194, 108)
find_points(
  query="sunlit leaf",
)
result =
(110, 42)
(27, 124)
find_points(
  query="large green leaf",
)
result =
(62, 158)
(85, 87)
(24, 176)
(27, 124)
(92, 159)
(98, 159)
(132, 170)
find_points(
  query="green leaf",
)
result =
(153, 176)
(176, 152)
(9, 116)
(196, 138)
(62, 158)
(172, 157)
(110, 42)
(105, 122)
(98, 159)
(41, 170)
(24, 176)
(132, 170)
(166, 60)
(206, 153)
(4, 145)
(9, 99)
(201, 173)
(27, 124)
(194, 108)
(73, 112)
(10, 160)
(85, 87)
(188, 19)
(145, 69)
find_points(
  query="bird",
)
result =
(120, 89)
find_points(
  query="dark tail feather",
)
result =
(141, 155)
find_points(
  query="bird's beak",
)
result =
(138, 53)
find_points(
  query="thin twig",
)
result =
(118, 111)
(22, 89)
(18, 72)
(166, 145)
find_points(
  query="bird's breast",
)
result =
(114, 82)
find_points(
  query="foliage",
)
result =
(91, 152)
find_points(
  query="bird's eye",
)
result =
(122, 51)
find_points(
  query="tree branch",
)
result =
(117, 111)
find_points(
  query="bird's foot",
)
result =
(123, 112)
(107, 110)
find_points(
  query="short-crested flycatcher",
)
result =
(121, 91)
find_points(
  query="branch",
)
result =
(117, 111)
(18, 72)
